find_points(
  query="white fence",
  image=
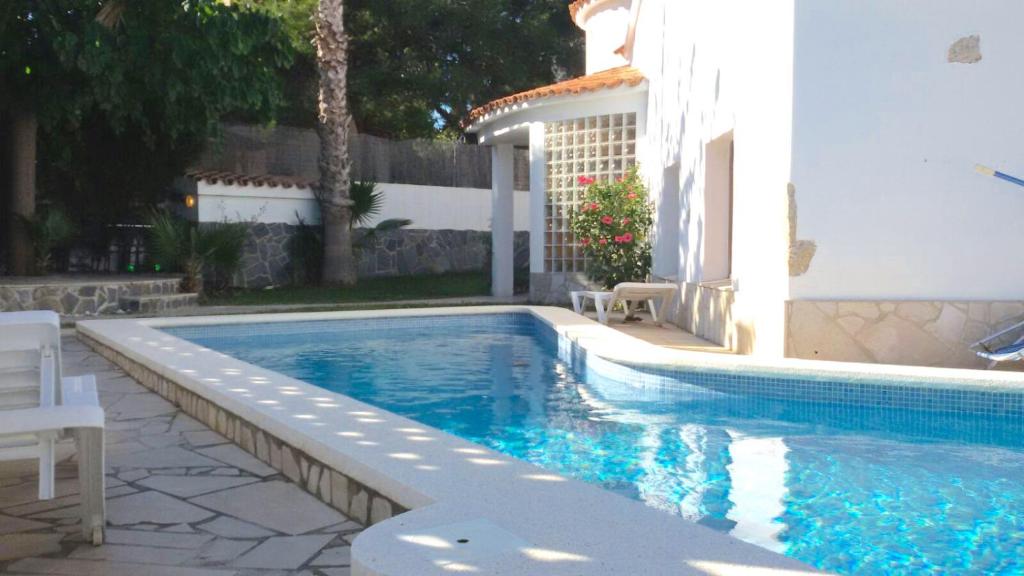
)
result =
(429, 207)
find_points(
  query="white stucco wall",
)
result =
(605, 23)
(429, 207)
(886, 135)
(712, 72)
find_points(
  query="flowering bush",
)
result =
(613, 225)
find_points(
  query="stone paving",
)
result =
(181, 501)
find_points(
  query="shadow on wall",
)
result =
(710, 313)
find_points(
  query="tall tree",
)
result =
(416, 67)
(126, 91)
(334, 122)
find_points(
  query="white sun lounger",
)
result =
(628, 293)
(37, 406)
(1010, 353)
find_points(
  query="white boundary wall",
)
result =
(429, 207)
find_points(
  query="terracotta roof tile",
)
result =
(575, 6)
(604, 80)
(236, 179)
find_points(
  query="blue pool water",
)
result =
(844, 487)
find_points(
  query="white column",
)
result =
(502, 229)
(538, 196)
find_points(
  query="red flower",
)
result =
(627, 237)
(602, 241)
(585, 180)
(593, 206)
(618, 239)
(631, 195)
(585, 241)
(606, 219)
(626, 221)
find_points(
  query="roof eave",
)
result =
(516, 108)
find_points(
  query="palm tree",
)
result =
(333, 126)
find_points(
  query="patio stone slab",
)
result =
(136, 406)
(228, 527)
(28, 492)
(9, 524)
(204, 438)
(161, 440)
(169, 457)
(223, 551)
(235, 456)
(157, 458)
(277, 505)
(345, 571)
(153, 507)
(23, 545)
(185, 423)
(189, 486)
(158, 539)
(64, 567)
(283, 552)
(340, 556)
(141, 554)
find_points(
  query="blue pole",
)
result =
(997, 174)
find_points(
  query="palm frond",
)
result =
(169, 239)
(392, 224)
(367, 202)
(111, 14)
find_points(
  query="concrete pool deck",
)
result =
(181, 501)
(513, 517)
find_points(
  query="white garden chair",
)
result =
(657, 296)
(38, 405)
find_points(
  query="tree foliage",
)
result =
(124, 104)
(417, 67)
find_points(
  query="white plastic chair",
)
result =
(30, 376)
(37, 405)
(658, 297)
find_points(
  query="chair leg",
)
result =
(89, 443)
(655, 316)
(627, 306)
(603, 308)
(577, 302)
(46, 467)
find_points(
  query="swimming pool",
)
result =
(839, 483)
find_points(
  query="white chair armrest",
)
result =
(39, 420)
(79, 391)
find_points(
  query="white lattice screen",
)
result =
(601, 147)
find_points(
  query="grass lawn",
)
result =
(453, 285)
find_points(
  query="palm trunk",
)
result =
(23, 190)
(333, 126)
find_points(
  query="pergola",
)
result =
(588, 126)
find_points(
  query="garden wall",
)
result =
(266, 260)
(287, 151)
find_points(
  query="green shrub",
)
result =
(306, 249)
(612, 226)
(186, 247)
(52, 230)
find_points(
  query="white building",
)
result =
(811, 163)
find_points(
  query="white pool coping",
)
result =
(518, 518)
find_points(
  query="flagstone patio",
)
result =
(181, 501)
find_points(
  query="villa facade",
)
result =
(811, 165)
